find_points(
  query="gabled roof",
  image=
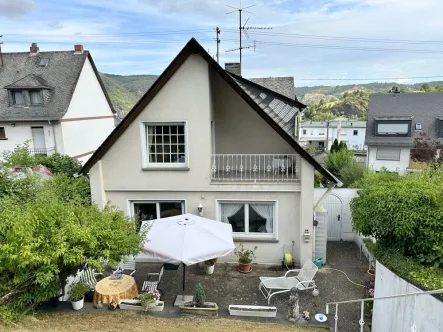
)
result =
(31, 81)
(419, 107)
(236, 82)
(23, 71)
(282, 85)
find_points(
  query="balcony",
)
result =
(255, 168)
(43, 152)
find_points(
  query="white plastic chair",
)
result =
(128, 264)
(304, 280)
(152, 285)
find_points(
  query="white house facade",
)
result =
(323, 133)
(203, 136)
(56, 100)
(394, 121)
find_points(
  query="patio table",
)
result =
(107, 290)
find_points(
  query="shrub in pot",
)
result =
(149, 299)
(77, 295)
(209, 265)
(245, 257)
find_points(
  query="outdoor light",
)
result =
(200, 209)
(13, 125)
(307, 235)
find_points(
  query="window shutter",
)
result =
(388, 154)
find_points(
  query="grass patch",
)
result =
(136, 322)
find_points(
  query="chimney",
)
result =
(233, 67)
(34, 49)
(78, 49)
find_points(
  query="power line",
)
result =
(146, 33)
(366, 79)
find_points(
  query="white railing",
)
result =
(255, 167)
(362, 301)
(42, 151)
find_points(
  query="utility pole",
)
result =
(1, 55)
(217, 31)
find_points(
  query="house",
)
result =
(323, 133)
(204, 140)
(56, 99)
(394, 120)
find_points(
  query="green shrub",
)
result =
(335, 161)
(200, 296)
(78, 291)
(245, 256)
(351, 173)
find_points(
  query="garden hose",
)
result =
(329, 268)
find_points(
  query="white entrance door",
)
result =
(333, 204)
(38, 138)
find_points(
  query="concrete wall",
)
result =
(401, 314)
(394, 166)
(88, 100)
(21, 132)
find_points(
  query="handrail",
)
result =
(362, 301)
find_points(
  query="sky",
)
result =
(318, 42)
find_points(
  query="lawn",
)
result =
(136, 322)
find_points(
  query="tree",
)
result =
(343, 166)
(47, 236)
(425, 149)
(335, 147)
(439, 88)
(426, 87)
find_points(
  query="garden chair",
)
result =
(126, 265)
(152, 285)
(89, 277)
(304, 280)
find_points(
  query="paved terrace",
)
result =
(228, 286)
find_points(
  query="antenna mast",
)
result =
(217, 31)
(1, 55)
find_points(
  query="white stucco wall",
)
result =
(22, 132)
(394, 166)
(88, 100)
(401, 314)
(319, 134)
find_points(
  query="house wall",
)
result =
(81, 136)
(401, 314)
(186, 97)
(238, 129)
(318, 134)
(22, 132)
(394, 166)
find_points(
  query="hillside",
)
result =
(126, 91)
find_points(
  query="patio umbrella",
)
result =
(187, 239)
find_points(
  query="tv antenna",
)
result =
(243, 29)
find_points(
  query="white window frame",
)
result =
(418, 126)
(146, 165)
(131, 202)
(246, 235)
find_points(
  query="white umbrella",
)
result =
(187, 239)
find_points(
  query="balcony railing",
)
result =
(255, 167)
(44, 152)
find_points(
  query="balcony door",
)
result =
(38, 138)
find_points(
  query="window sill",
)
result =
(254, 239)
(181, 169)
(3, 139)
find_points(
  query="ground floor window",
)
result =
(151, 210)
(249, 218)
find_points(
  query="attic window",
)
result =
(44, 62)
(18, 98)
(36, 97)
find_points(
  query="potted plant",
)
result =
(199, 307)
(245, 257)
(209, 265)
(77, 295)
(149, 299)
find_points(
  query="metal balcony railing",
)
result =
(45, 151)
(362, 301)
(255, 167)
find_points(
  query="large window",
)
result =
(166, 145)
(393, 128)
(18, 98)
(388, 154)
(252, 219)
(151, 210)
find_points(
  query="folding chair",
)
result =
(128, 264)
(152, 285)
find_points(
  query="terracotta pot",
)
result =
(371, 274)
(244, 267)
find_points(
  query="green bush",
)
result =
(200, 296)
(78, 291)
(335, 161)
(403, 213)
(342, 164)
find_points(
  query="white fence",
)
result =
(408, 314)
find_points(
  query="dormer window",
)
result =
(18, 98)
(399, 128)
(35, 97)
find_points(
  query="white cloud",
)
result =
(16, 8)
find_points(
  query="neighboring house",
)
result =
(56, 99)
(202, 135)
(323, 133)
(394, 120)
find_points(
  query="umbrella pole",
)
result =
(184, 277)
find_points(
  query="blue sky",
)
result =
(136, 36)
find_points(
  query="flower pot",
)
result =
(209, 269)
(77, 305)
(252, 311)
(209, 309)
(135, 305)
(371, 274)
(245, 268)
